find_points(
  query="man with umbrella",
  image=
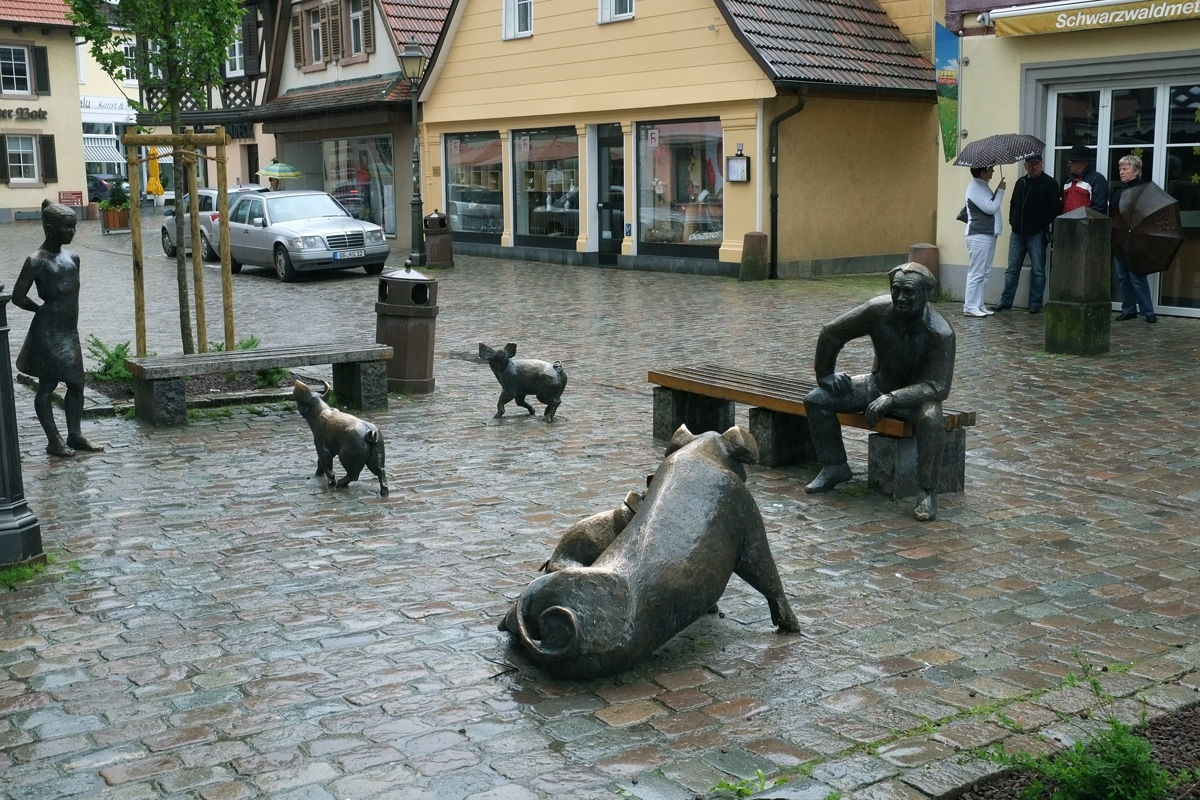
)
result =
(1135, 289)
(1035, 202)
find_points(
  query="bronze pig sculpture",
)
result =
(522, 376)
(356, 443)
(697, 525)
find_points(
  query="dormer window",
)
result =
(518, 18)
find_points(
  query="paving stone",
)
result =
(967, 734)
(852, 773)
(798, 789)
(943, 779)
(1170, 697)
(627, 714)
(914, 751)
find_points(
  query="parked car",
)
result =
(99, 186)
(302, 231)
(210, 227)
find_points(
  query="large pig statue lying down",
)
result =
(667, 563)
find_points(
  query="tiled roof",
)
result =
(421, 19)
(851, 43)
(35, 12)
(339, 96)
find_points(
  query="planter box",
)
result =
(114, 221)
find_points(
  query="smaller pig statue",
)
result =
(663, 561)
(356, 443)
(522, 376)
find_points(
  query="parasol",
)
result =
(277, 169)
(1003, 148)
(1145, 229)
(153, 178)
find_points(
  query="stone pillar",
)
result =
(756, 263)
(361, 385)
(927, 256)
(20, 531)
(1079, 310)
(673, 408)
(162, 403)
(782, 438)
(892, 464)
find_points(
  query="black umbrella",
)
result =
(1145, 228)
(1003, 148)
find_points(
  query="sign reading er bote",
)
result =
(1029, 19)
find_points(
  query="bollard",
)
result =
(20, 531)
(756, 265)
(439, 250)
(1079, 310)
(927, 256)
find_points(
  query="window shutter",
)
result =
(297, 41)
(250, 40)
(49, 162)
(510, 19)
(41, 71)
(335, 30)
(3, 159)
(368, 26)
(324, 33)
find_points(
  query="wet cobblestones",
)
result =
(219, 624)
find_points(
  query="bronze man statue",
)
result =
(51, 352)
(914, 366)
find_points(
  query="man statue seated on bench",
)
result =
(914, 366)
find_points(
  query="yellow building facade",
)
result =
(604, 132)
(1107, 76)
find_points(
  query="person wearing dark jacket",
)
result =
(1084, 181)
(1135, 289)
(1036, 201)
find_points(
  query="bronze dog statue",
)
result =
(521, 376)
(670, 563)
(356, 443)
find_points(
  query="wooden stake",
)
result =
(135, 235)
(197, 261)
(226, 271)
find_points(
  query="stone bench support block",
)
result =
(782, 438)
(361, 385)
(892, 464)
(161, 402)
(674, 408)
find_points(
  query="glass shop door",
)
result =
(610, 171)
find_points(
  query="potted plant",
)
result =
(114, 209)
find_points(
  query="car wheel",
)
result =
(373, 269)
(283, 265)
(235, 266)
(168, 248)
(206, 251)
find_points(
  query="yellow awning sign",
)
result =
(1062, 17)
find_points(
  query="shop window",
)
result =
(1180, 285)
(518, 18)
(474, 186)
(546, 194)
(359, 174)
(615, 10)
(14, 70)
(680, 188)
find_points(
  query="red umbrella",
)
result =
(1145, 229)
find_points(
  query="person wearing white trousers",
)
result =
(983, 229)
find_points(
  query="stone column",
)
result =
(20, 532)
(756, 261)
(1079, 310)
(927, 256)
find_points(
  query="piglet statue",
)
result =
(523, 376)
(356, 443)
(667, 564)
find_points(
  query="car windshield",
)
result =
(306, 206)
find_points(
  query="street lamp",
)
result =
(412, 61)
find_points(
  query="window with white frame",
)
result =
(131, 75)
(518, 18)
(81, 59)
(153, 51)
(22, 159)
(615, 10)
(235, 59)
(356, 28)
(14, 70)
(314, 36)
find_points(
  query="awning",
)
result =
(1084, 15)
(102, 153)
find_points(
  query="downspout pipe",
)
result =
(801, 98)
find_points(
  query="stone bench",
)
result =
(703, 398)
(359, 374)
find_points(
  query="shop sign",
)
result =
(23, 113)
(1037, 19)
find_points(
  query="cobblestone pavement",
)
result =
(219, 624)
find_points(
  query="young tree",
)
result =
(190, 40)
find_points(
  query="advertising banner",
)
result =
(946, 50)
(1084, 18)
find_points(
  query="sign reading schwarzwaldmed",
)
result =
(1062, 17)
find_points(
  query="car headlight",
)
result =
(308, 243)
(374, 237)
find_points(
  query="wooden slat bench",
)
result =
(703, 398)
(359, 374)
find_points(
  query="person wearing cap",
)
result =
(1085, 183)
(1135, 289)
(1036, 201)
(983, 228)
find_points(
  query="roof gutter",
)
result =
(801, 99)
(795, 86)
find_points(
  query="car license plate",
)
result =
(349, 254)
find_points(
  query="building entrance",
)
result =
(610, 170)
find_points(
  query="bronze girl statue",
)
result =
(51, 352)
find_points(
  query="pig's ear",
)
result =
(301, 390)
(511, 349)
(681, 439)
(740, 445)
(485, 352)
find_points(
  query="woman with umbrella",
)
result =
(983, 229)
(275, 171)
(1135, 289)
